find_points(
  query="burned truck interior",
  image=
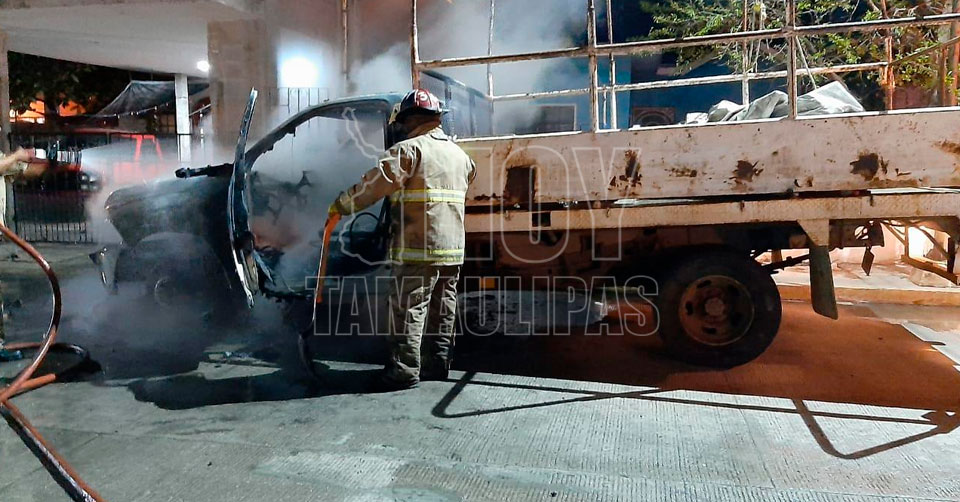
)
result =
(270, 201)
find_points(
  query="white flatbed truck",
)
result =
(694, 206)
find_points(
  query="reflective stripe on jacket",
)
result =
(426, 178)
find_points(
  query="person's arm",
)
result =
(10, 166)
(389, 176)
(17, 162)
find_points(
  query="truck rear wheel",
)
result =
(718, 308)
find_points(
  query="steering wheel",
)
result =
(368, 245)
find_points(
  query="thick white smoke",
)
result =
(461, 29)
(307, 56)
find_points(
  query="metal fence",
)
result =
(54, 211)
(53, 206)
(294, 99)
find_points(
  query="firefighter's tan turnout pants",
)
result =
(423, 312)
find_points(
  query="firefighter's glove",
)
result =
(335, 209)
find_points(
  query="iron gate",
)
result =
(52, 213)
(52, 207)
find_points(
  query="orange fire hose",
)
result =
(306, 356)
(325, 254)
(61, 471)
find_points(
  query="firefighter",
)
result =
(18, 163)
(426, 177)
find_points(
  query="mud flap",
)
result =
(822, 293)
(866, 264)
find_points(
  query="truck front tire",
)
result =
(717, 308)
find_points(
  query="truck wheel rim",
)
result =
(716, 310)
(164, 292)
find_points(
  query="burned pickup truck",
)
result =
(225, 234)
(232, 231)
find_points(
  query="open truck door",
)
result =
(238, 199)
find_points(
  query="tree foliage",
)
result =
(705, 17)
(58, 82)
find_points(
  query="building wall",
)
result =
(289, 53)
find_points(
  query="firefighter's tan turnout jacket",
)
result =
(426, 178)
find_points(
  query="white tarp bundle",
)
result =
(830, 99)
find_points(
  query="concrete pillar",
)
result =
(182, 94)
(6, 209)
(241, 57)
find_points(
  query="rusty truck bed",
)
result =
(915, 148)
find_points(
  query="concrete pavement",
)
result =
(19, 275)
(864, 408)
(887, 284)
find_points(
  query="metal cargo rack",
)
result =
(812, 172)
(594, 50)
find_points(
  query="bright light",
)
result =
(203, 66)
(299, 72)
